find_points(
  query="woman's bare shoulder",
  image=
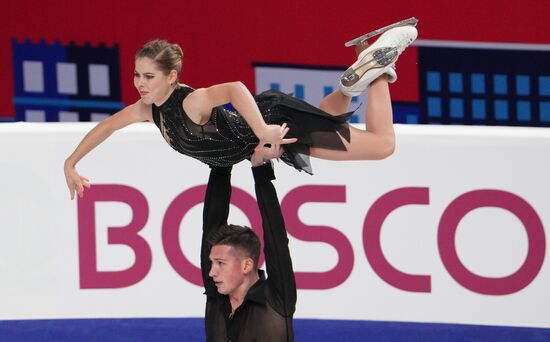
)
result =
(204, 99)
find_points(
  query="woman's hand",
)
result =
(263, 153)
(274, 135)
(75, 182)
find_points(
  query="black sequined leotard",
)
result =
(226, 138)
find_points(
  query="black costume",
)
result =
(267, 310)
(226, 138)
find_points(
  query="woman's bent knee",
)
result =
(386, 146)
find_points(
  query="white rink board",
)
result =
(39, 231)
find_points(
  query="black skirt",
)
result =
(312, 126)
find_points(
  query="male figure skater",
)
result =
(242, 304)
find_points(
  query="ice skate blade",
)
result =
(411, 21)
(378, 58)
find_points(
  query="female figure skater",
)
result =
(194, 122)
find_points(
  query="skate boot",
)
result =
(378, 58)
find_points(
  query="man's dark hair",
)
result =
(241, 238)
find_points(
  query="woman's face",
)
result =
(152, 84)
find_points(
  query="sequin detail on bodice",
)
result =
(224, 140)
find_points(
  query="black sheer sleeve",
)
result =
(277, 255)
(215, 213)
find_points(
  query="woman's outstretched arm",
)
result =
(200, 103)
(136, 112)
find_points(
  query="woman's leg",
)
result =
(336, 102)
(377, 141)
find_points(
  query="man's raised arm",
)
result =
(277, 254)
(215, 213)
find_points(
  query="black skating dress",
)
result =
(226, 138)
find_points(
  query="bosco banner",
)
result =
(450, 229)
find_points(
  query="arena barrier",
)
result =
(442, 240)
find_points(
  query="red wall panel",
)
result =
(221, 39)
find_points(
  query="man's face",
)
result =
(228, 268)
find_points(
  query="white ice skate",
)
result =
(378, 58)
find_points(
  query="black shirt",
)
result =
(267, 310)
